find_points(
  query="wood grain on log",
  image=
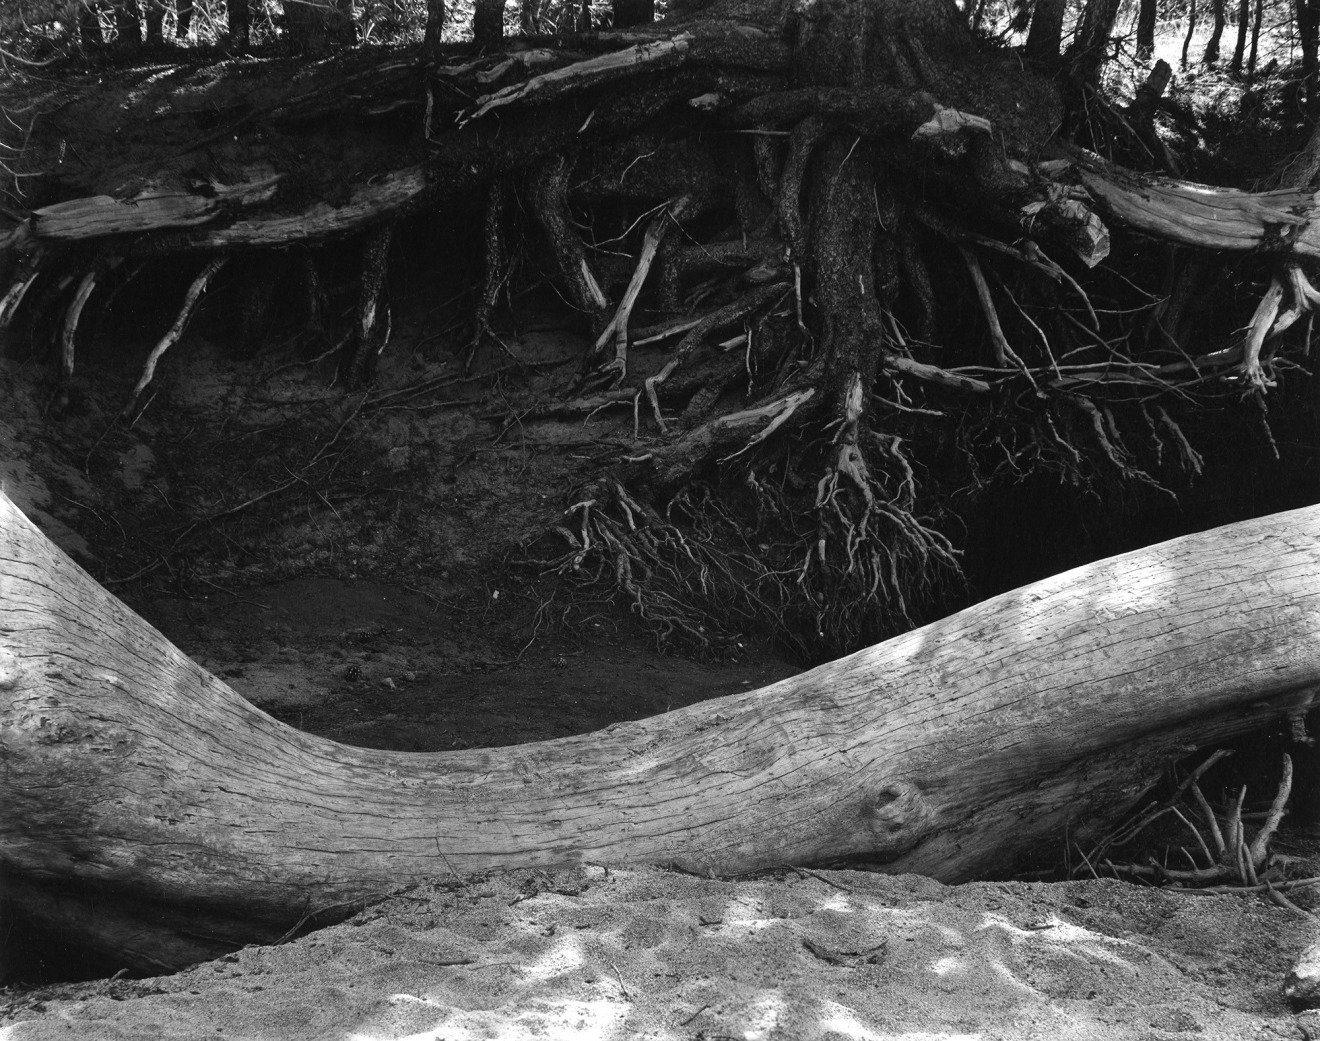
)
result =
(137, 782)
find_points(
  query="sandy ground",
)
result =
(597, 953)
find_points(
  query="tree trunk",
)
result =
(1240, 48)
(633, 12)
(314, 27)
(488, 22)
(1045, 39)
(239, 24)
(1092, 46)
(1191, 29)
(158, 816)
(128, 25)
(529, 17)
(435, 25)
(1216, 34)
(1256, 19)
(183, 16)
(1308, 32)
(154, 16)
(1146, 18)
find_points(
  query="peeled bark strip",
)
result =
(633, 61)
(148, 211)
(1283, 220)
(153, 812)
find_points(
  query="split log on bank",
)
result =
(152, 812)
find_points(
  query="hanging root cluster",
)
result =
(838, 299)
(1206, 851)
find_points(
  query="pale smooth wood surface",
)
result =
(136, 781)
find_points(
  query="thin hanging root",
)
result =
(373, 332)
(496, 273)
(617, 327)
(1127, 832)
(781, 410)
(70, 330)
(1192, 459)
(190, 302)
(314, 291)
(1058, 271)
(1261, 323)
(1003, 352)
(744, 305)
(14, 297)
(1233, 859)
(1113, 446)
(1260, 845)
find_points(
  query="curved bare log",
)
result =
(152, 809)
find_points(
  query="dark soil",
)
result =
(375, 566)
(433, 667)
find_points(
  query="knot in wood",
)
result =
(10, 669)
(897, 818)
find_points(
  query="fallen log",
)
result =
(153, 813)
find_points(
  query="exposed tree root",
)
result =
(190, 302)
(852, 256)
(548, 187)
(752, 301)
(615, 333)
(1228, 857)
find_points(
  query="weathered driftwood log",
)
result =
(150, 810)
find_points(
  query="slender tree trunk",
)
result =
(1308, 31)
(1146, 18)
(633, 12)
(435, 26)
(1092, 46)
(529, 17)
(154, 16)
(1191, 29)
(239, 25)
(1046, 36)
(183, 16)
(488, 22)
(1240, 48)
(128, 25)
(1255, 38)
(315, 27)
(1216, 34)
